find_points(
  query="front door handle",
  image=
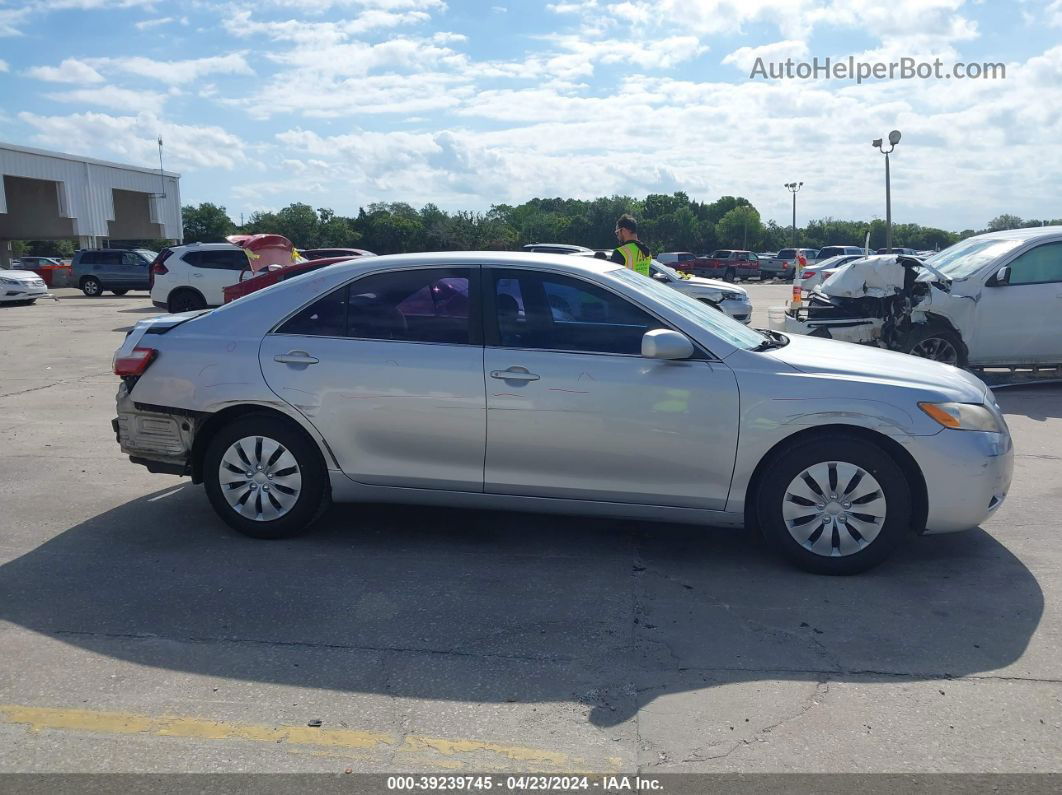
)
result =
(295, 357)
(514, 374)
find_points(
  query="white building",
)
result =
(50, 195)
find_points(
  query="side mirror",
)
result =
(1001, 277)
(664, 343)
(660, 277)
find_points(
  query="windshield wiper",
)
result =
(774, 340)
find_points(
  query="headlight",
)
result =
(962, 416)
(10, 281)
(727, 296)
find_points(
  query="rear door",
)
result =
(107, 266)
(215, 270)
(390, 370)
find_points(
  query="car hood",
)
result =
(20, 276)
(817, 356)
(715, 284)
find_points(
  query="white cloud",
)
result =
(1054, 14)
(11, 20)
(113, 97)
(177, 72)
(3, 66)
(148, 24)
(132, 139)
(70, 70)
(744, 58)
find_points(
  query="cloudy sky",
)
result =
(469, 103)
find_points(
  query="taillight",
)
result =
(159, 269)
(808, 275)
(134, 363)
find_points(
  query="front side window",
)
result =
(547, 311)
(1040, 265)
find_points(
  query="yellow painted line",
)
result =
(118, 723)
(515, 752)
(38, 718)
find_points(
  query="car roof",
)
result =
(458, 258)
(204, 245)
(1029, 233)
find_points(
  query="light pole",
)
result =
(894, 138)
(794, 188)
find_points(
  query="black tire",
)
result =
(315, 494)
(91, 287)
(797, 460)
(728, 275)
(119, 292)
(185, 300)
(938, 344)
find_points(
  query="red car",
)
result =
(251, 283)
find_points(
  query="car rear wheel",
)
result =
(119, 292)
(185, 301)
(91, 287)
(265, 478)
(938, 344)
(834, 506)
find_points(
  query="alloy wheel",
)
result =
(260, 478)
(834, 509)
(937, 349)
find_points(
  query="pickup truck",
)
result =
(729, 264)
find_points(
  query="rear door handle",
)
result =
(295, 357)
(514, 374)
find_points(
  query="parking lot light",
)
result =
(794, 187)
(894, 138)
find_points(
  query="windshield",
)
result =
(968, 256)
(716, 322)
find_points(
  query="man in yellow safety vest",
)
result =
(631, 253)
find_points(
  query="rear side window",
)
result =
(326, 317)
(429, 305)
(219, 259)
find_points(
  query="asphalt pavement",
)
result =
(140, 634)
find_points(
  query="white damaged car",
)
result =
(993, 300)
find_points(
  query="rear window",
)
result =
(787, 253)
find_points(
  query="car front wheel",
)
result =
(834, 506)
(265, 477)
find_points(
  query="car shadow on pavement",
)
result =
(1036, 401)
(501, 607)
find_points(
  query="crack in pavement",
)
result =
(314, 645)
(822, 688)
(56, 383)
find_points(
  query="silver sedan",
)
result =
(554, 384)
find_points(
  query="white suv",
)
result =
(184, 278)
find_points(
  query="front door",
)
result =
(1020, 322)
(574, 411)
(390, 370)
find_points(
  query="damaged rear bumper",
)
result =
(155, 437)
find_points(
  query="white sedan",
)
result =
(724, 296)
(21, 287)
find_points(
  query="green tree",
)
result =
(1005, 221)
(206, 223)
(740, 227)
